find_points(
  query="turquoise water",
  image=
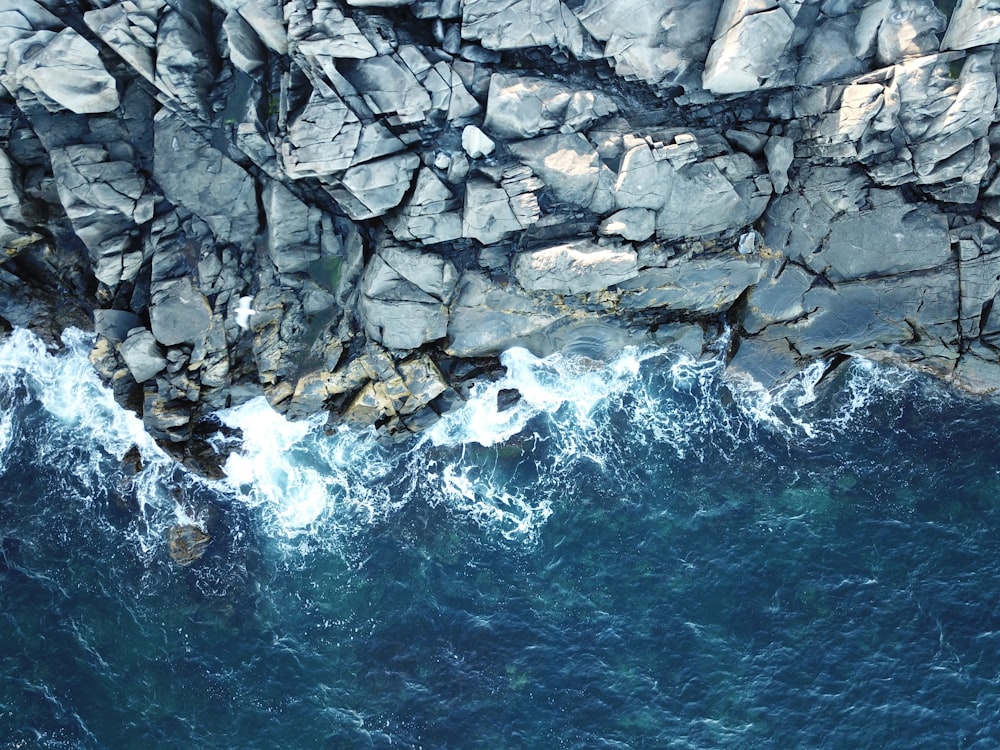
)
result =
(640, 555)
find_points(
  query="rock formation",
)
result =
(404, 188)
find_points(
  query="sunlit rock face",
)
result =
(354, 207)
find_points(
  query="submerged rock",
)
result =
(186, 544)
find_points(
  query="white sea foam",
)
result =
(505, 470)
(559, 386)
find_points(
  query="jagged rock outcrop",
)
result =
(405, 189)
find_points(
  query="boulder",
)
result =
(430, 215)
(575, 267)
(493, 212)
(522, 106)
(404, 296)
(571, 168)
(749, 52)
(973, 23)
(476, 143)
(487, 318)
(195, 175)
(186, 543)
(322, 139)
(701, 285)
(516, 24)
(634, 224)
(389, 87)
(661, 44)
(130, 30)
(143, 355)
(180, 313)
(64, 67)
(373, 188)
(185, 59)
(889, 237)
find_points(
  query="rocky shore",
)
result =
(354, 206)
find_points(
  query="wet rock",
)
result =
(187, 544)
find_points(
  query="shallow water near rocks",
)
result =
(638, 555)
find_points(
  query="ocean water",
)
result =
(638, 554)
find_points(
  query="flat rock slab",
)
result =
(575, 267)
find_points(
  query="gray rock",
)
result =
(130, 30)
(701, 285)
(660, 44)
(721, 194)
(516, 24)
(750, 48)
(575, 267)
(476, 143)
(777, 298)
(64, 67)
(634, 224)
(185, 57)
(916, 311)
(389, 87)
(245, 49)
(889, 238)
(115, 324)
(829, 53)
(105, 200)
(180, 313)
(430, 215)
(143, 355)
(487, 318)
(193, 174)
(973, 23)
(376, 186)
(779, 152)
(323, 138)
(294, 230)
(404, 294)
(909, 28)
(492, 212)
(523, 107)
(979, 281)
(571, 168)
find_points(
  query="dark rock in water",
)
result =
(126, 497)
(187, 543)
(507, 398)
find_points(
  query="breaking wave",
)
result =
(506, 466)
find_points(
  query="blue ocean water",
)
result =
(639, 554)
